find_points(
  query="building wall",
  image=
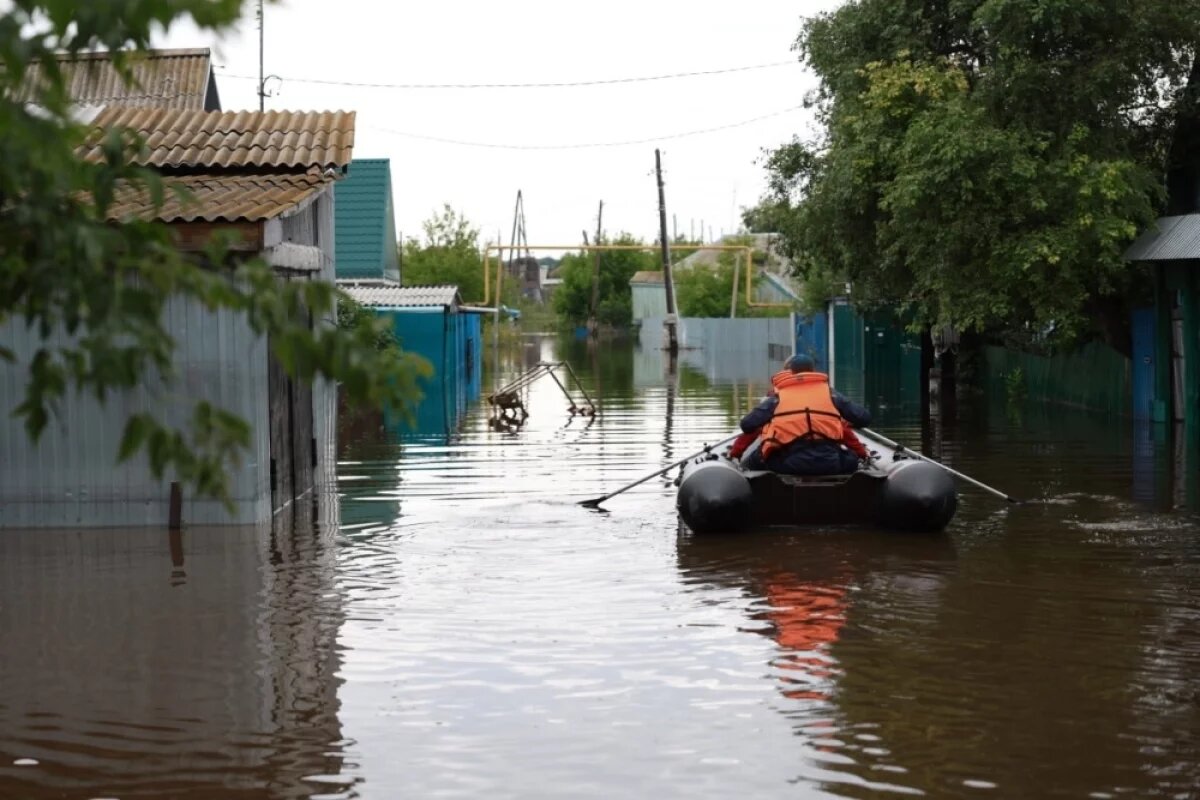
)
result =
(366, 222)
(649, 300)
(70, 477)
(453, 345)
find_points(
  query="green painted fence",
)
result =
(1095, 377)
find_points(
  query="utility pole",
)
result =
(670, 322)
(262, 82)
(595, 273)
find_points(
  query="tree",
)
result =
(449, 254)
(984, 163)
(572, 299)
(65, 268)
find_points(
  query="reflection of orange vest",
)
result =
(805, 411)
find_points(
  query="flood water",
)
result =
(453, 624)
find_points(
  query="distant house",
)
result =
(432, 322)
(649, 296)
(366, 222)
(267, 180)
(179, 79)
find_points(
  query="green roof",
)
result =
(365, 222)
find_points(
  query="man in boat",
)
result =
(804, 426)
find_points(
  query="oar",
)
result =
(902, 449)
(707, 448)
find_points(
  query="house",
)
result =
(179, 79)
(1166, 340)
(267, 180)
(432, 322)
(365, 245)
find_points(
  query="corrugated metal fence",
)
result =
(1096, 377)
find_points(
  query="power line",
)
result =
(583, 145)
(544, 85)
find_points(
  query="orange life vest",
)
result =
(805, 411)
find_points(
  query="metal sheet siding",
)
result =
(366, 225)
(725, 350)
(649, 300)
(70, 477)
(324, 392)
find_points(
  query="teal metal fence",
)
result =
(1096, 377)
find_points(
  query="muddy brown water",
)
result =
(454, 625)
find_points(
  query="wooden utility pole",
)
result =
(262, 82)
(595, 273)
(670, 322)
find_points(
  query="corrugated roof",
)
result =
(389, 294)
(647, 276)
(207, 139)
(1169, 239)
(365, 232)
(180, 79)
(220, 198)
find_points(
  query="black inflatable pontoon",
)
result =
(716, 495)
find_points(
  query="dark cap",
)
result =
(800, 363)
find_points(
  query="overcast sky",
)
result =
(709, 176)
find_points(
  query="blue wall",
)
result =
(453, 345)
(812, 338)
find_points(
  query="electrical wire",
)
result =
(543, 85)
(584, 145)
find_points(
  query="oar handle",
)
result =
(667, 468)
(902, 449)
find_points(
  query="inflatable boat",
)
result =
(896, 491)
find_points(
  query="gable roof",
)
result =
(179, 79)
(224, 166)
(1169, 239)
(181, 139)
(389, 294)
(219, 198)
(647, 277)
(365, 221)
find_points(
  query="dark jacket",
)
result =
(807, 458)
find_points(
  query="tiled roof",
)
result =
(389, 294)
(231, 139)
(180, 79)
(647, 276)
(220, 198)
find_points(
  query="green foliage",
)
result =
(985, 162)
(96, 292)
(1014, 385)
(706, 291)
(448, 254)
(572, 299)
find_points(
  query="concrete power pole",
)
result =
(671, 320)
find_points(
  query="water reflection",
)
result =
(138, 664)
(471, 631)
